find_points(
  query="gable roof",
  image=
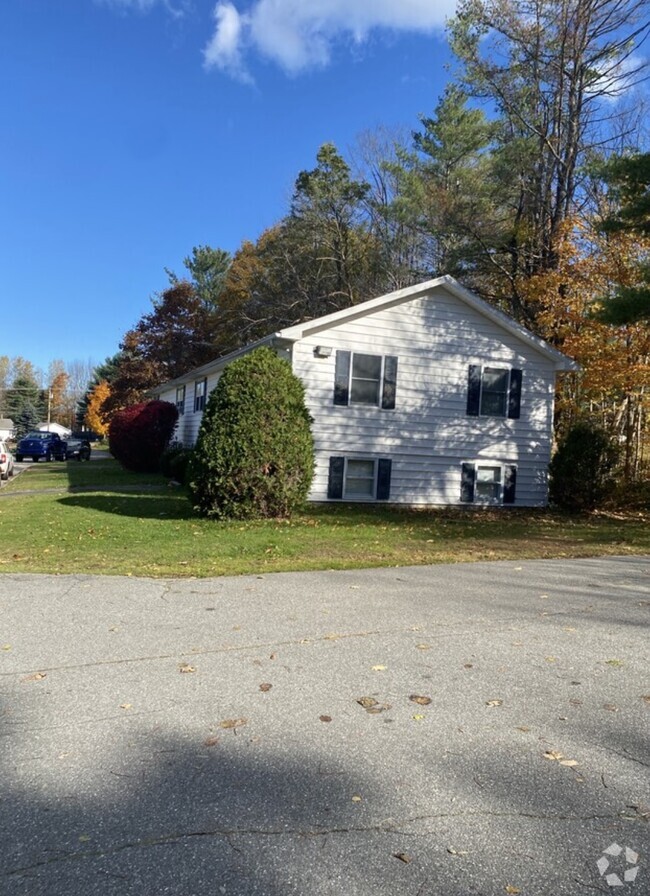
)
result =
(292, 334)
(409, 293)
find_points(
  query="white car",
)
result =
(6, 461)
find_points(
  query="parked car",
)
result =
(38, 444)
(79, 449)
(6, 461)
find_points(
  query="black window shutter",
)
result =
(514, 396)
(467, 478)
(384, 466)
(335, 479)
(509, 484)
(474, 390)
(342, 378)
(390, 383)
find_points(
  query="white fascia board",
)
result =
(400, 296)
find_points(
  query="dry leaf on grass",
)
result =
(417, 698)
(232, 723)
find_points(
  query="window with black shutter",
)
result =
(493, 391)
(365, 379)
(488, 482)
(359, 479)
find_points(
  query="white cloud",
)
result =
(175, 7)
(299, 34)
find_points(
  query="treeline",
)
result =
(528, 183)
(29, 396)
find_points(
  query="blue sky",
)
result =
(133, 130)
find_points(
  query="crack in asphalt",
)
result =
(387, 827)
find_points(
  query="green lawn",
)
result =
(96, 518)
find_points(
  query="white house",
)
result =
(425, 396)
(58, 428)
(6, 428)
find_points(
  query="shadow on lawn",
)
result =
(153, 506)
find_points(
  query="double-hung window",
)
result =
(180, 400)
(200, 389)
(488, 482)
(493, 391)
(359, 479)
(365, 379)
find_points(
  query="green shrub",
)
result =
(254, 455)
(583, 468)
(174, 462)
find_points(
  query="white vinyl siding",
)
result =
(428, 435)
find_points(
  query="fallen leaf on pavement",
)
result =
(185, 667)
(265, 686)
(232, 723)
(367, 702)
(423, 646)
(645, 698)
(455, 852)
(356, 798)
(325, 718)
(211, 741)
(494, 702)
(379, 668)
(126, 706)
(570, 763)
(423, 701)
(403, 857)
(37, 676)
(512, 891)
(610, 707)
(418, 717)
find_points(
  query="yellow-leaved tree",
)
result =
(95, 419)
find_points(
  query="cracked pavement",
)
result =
(139, 755)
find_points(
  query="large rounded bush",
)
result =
(254, 455)
(582, 471)
(138, 435)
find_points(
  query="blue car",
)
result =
(36, 445)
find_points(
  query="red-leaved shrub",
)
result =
(138, 435)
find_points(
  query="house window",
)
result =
(200, 388)
(180, 400)
(365, 379)
(488, 483)
(493, 392)
(359, 479)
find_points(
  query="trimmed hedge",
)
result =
(138, 435)
(254, 455)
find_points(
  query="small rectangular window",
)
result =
(488, 484)
(494, 392)
(200, 387)
(365, 379)
(360, 479)
(180, 400)
(365, 384)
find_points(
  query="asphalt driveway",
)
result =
(430, 731)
